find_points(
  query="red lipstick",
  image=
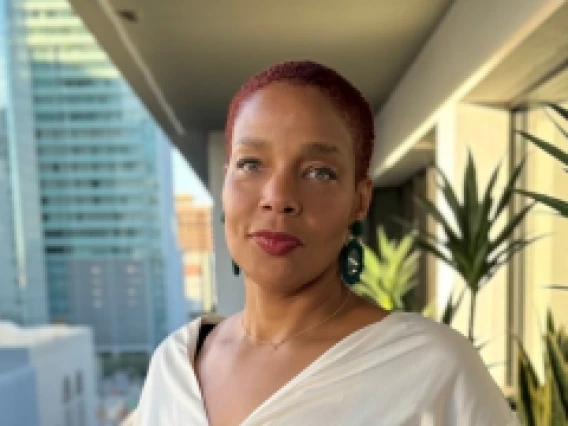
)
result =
(276, 243)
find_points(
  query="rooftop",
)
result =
(14, 336)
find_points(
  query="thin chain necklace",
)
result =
(276, 345)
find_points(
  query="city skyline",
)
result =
(104, 183)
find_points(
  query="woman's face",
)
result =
(290, 194)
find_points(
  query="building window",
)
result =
(66, 390)
(79, 383)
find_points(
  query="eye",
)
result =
(321, 173)
(248, 164)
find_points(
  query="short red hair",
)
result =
(347, 99)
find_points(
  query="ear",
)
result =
(362, 201)
(225, 167)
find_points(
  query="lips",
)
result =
(276, 243)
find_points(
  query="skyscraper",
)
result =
(22, 268)
(104, 189)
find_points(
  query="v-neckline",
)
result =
(306, 371)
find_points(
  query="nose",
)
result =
(279, 195)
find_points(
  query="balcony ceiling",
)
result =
(186, 59)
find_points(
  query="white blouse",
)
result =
(404, 370)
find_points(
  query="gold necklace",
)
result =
(276, 345)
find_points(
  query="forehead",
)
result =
(294, 113)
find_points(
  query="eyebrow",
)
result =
(253, 143)
(322, 148)
(311, 148)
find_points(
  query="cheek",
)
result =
(327, 212)
(239, 196)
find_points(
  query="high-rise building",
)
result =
(196, 242)
(105, 191)
(22, 267)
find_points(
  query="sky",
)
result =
(187, 182)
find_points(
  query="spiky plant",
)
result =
(467, 244)
(545, 404)
(391, 273)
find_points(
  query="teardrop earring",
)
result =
(351, 257)
(236, 269)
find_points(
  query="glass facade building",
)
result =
(102, 173)
(23, 286)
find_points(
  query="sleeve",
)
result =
(476, 400)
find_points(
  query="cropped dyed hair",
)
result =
(347, 99)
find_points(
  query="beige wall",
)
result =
(486, 132)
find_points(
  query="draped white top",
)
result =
(405, 370)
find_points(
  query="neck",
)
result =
(275, 315)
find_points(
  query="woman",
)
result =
(305, 350)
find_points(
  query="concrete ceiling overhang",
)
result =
(186, 59)
(536, 71)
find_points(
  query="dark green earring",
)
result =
(236, 269)
(351, 257)
(357, 228)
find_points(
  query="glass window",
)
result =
(66, 389)
(79, 383)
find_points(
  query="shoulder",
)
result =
(182, 342)
(437, 346)
(438, 339)
(449, 357)
(169, 376)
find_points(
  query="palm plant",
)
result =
(560, 206)
(467, 246)
(545, 404)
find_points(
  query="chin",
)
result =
(277, 277)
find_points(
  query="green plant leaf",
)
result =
(561, 111)
(451, 308)
(484, 222)
(450, 196)
(389, 274)
(557, 287)
(547, 147)
(470, 200)
(431, 208)
(559, 368)
(527, 389)
(555, 203)
(424, 244)
(508, 191)
(510, 227)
